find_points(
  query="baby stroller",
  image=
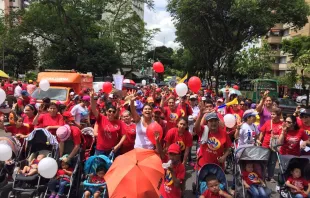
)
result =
(243, 154)
(7, 168)
(89, 140)
(91, 166)
(204, 172)
(287, 163)
(72, 189)
(40, 141)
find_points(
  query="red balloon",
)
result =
(194, 83)
(236, 87)
(107, 87)
(158, 67)
(151, 129)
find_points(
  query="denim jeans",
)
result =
(257, 191)
(271, 164)
(300, 196)
(52, 185)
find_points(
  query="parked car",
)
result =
(288, 106)
(301, 100)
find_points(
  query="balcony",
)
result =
(283, 66)
(275, 66)
(274, 39)
(278, 26)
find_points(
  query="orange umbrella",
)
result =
(136, 174)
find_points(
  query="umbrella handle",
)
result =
(111, 156)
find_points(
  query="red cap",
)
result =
(174, 148)
(68, 115)
(157, 110)
(158, 90)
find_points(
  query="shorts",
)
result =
(93, 190)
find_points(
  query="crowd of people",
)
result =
(120, 122)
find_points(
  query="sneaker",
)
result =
(52, 196)
(57, 196)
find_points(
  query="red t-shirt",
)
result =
(307, 130)
(9, 89)
(167, 189)
(214, 148)
(185, 110)
(61, 172)
(109, 133)
(76, 135)
(291, 145)
(14, 130)
(46, 120)
(171, 117)
(28, 121)
(129, 143)
(238, 113)
(300, 183)
(250, 177)
(97, 180)
(266, 131)
(186, 140)
(209, 194)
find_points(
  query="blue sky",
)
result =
(160, 18)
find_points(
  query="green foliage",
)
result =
(215, 30)
(31, 76)
(296, 46)
(255, 62)
(162, 54)
(289, 79)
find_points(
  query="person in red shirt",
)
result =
(216, 144)
(184, 107)
(297, 184)
(18, 129)
(182, 137)
(111, 133)
(174, 174)
(214, 190)
(98, 178)
(253, 183)
(305, 118)
(130, 131)
(163, 123)
(9, 90)
(291, 136)
(235, 110)
(271, 131)
(51, 121)
(172, 114)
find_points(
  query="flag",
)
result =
(183, 79)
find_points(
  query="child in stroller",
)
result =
(96, 179)
(62, 179)
(252, 181)
(298, 184)
(32, 169)
(214, 190)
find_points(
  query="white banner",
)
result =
(118, 81)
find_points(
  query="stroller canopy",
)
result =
(212, 169)
(12, 142)
(40, 135)
(88, 131)
(94, 162)
(254, 153)
(290, 161)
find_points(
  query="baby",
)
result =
(297, 184)
(96, 179)
(32, 169)
(253, 183)
(214, 190)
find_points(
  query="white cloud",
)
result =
(160, 18)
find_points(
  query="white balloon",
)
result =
(2, 96)
(143, 82)
(47, 167)
(181, 89)
(230, 120)
(5, 152)
(44, 85)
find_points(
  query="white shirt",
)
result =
(77, 111)
(141, 139)
(18, 91)
(247, 134)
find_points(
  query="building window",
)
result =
(283, 60)
(286, 32)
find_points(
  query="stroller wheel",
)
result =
(11, 195)
(194, 188)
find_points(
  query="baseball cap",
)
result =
(63, 133)
(150, 100)
(211, 116)
(72, 93)
(24, 93)
(193, 97)
(15, 82)
(190, 118)
(86, 98)
(203, 98)
(68, 115)
(220, 100)
(158, 90)
(139, 92)
(157, 110)
(174, 148)
(248, 113)
(110, 95)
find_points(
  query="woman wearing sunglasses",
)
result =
(110, 131)
(291, 136)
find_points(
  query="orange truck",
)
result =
(62, 83)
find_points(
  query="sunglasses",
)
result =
(288, 122)
(241, 104)
(111, 111)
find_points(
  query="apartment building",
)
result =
(275, 36)
(7, 5)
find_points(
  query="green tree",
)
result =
(255, 62)
(163, 54)
(215, 30)
(296, 46)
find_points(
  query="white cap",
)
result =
(203, 98)
(193, 97)
(15, 82)
(72, 93)
(110, 95)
